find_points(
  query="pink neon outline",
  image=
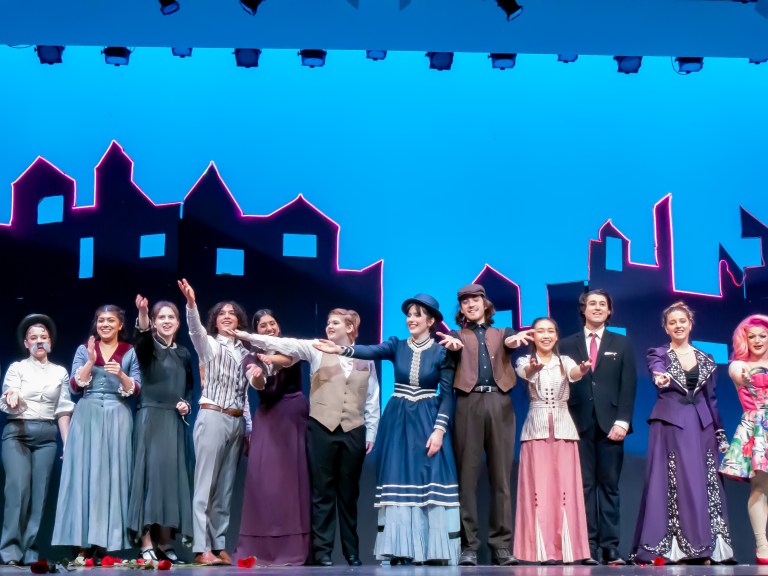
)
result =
(15, 183)
(668, 199)
(302, 199)
(515, 284)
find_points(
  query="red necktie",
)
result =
(593, 349)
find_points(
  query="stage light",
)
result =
(49, 54)
(511, 8)
(117, 55)
(376, 54)
(250, 6)
(169, 7)
(502, 61)
(440, 60)
(688, 64)
(313, 58)
(567, 58)
(628, 64)
(247, 57)
(758, 60)
(182, 52)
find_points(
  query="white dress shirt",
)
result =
(43, 388)
(588, 338)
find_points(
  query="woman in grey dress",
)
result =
(160, 504)
(92, 509)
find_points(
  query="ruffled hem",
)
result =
(421, 534)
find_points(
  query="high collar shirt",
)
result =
(43, 388)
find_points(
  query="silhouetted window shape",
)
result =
(152, 246)
(617, 329)
(614, 259)
(86, 258)
(230, 261)
(50, 209)
(718, 351)
(300, 245)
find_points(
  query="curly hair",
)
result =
(213, 313)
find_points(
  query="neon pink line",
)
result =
(32, 166)
(301, 200)
(515, 284)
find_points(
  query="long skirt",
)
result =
(551, 520)
(417, 496)
(275, 525)
(92, 507)
(161, 490)
(682, 511)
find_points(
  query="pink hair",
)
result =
(740, 348)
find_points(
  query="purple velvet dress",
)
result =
(683, 511)
(275, 526)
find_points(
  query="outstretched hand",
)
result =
(524, 337)
(534, 366)
(327, 346)
(585, 366)
(661, 379)
(238, 334)
(188, 292)
(450, 343)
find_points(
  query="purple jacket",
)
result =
(673, 399)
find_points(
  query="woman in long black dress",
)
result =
(160, 504)
(275, 525)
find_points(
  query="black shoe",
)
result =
(354, 560)
(400, 561)
(590, 561)
(170, 555)
(468, 558)
(324, 560)
(612, 558)
(503, 557)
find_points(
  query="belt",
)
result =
(228, 411)
(483, 389)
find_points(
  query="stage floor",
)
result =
(374, 570)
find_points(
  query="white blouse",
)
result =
(43, 389)
(548, 391)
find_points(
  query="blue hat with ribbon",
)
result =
(428, 302)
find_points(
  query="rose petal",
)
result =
(249, 562)
(89, 562)
(164, 565)
(659, 561)
(39, 567)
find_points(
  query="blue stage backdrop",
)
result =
(362, 183)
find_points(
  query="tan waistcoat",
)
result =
(501, 365)
(335, 399)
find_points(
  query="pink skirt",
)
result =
(551, 521)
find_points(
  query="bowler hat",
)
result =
(31, 320)
(471, 290)
(432, 305)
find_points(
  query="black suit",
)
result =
(606, 394)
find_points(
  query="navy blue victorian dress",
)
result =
(417, 496)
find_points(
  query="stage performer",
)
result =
(551, 523)
(36, 399)
(160, 504)
(683, 514)
(92, 508)
(275, 526)
(746, 459)
(484, 422)
(222, 422)
(343, 420)
(417, 487)
(601, 406)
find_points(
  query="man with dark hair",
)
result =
(484, 421)
(601, 405)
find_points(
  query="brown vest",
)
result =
(501, 365)
(336, 400)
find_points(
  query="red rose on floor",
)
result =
(164, 565)
(39, 567)
(249, 562)
(659, 561)
(109, 561)
(89, 562)
(140, 561)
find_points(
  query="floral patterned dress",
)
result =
(747, 452)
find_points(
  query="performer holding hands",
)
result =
(746, 459)
(161, 496)
(551, 523)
